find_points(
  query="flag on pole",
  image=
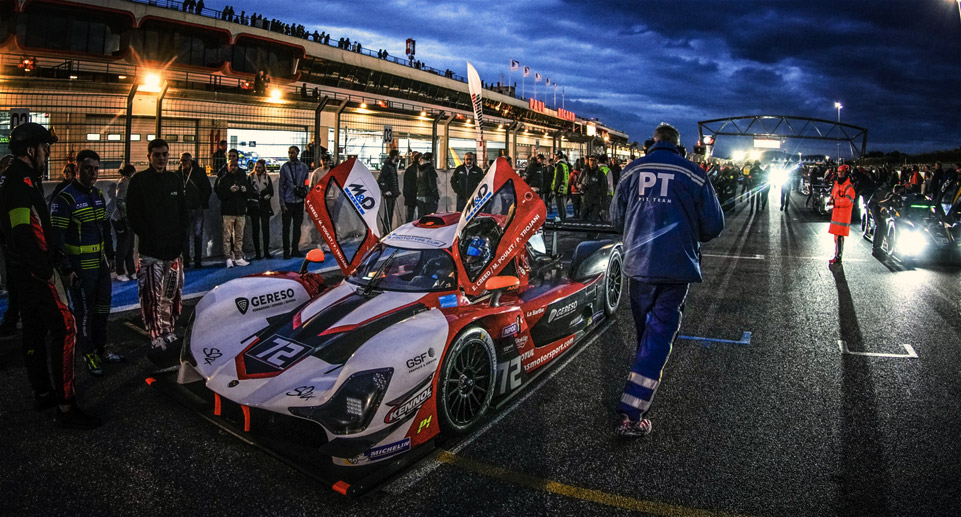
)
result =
(527, 71)
(475, 87)
(547, 81)
(537, 77)
(515, 65)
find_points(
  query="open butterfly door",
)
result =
(344, 206)
(502, 215)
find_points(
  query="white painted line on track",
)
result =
(910, 349)
(410, 479)
(136, 329)
(735, 257)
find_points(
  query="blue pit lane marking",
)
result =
(706, 341)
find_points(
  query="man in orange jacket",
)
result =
(842, 195)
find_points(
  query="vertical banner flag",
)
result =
(537, 77)
(527, 71)
(515, 65)
(475, 87)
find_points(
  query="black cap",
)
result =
(29, 134)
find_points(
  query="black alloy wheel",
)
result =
(466, 384)
(614, 283)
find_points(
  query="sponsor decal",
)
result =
(266, 301)
(649, 179)
(550, 355)
(527, 355)
(418, 239)
(512, 329)
(560, 312)
(357, 194)
(477, 202)
(448, 300)
(233, 383)
(390, 449)
(242, 304)
(535, 312)
(211, 355)
(424, 424)
(419, 361)
(410, 406)
(304, 392)
(520, 341)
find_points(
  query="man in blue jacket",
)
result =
(664, 206)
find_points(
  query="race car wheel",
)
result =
(614, 283)
(889, 241)
(466, 383)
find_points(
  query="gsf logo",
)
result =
(418, 359)
(649, 179)
(360, 195)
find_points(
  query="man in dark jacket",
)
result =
(233, 190)
(197, 193)
(410, 186)
(665, 206)
(219, 158)
(465, 179)
(389, 188)
(534, 174)
(157, 212)
(427, 193)
(25, 224)
(592, 184)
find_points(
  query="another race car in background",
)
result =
(914, 229)
(433, 325)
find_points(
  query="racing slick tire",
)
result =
(467, 381)
(614, 283)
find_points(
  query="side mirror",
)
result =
(315, 255)
(498, 285)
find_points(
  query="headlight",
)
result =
(911, 242)
(351, 409)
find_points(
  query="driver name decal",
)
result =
(521, 238)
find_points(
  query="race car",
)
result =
(914, 229)
(433, 324)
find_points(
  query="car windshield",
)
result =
(389, 268)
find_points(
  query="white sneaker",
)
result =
(123, 278)
(230, 263)
(241, 262)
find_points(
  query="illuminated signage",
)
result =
(767, 143)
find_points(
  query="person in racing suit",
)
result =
(157, 210)
(664, 206)
(842, 196)
(81, 231)
(25, 224)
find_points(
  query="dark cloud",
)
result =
(895, 65)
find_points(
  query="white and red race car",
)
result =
(433, 324)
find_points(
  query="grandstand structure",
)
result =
(110, 75)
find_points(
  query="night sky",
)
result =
(895, 65)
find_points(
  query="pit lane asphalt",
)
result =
(786, 425)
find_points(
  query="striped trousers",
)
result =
(160, 284)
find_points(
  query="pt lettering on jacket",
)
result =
(649, 179)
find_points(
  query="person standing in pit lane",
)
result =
(25, 225)
(121, 226)
(294, 185)
(157, 211)
(664, 206)
(233, 191)
(559, 184)
(259, 209)
(842, 195)
(465, 179)
(197, 192)
(81, 231)
(410, 186)
(389, 188)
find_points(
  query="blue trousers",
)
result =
(657, 318)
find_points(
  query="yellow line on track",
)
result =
(584, 494)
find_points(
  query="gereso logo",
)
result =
(562, 311)
(243, 304)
